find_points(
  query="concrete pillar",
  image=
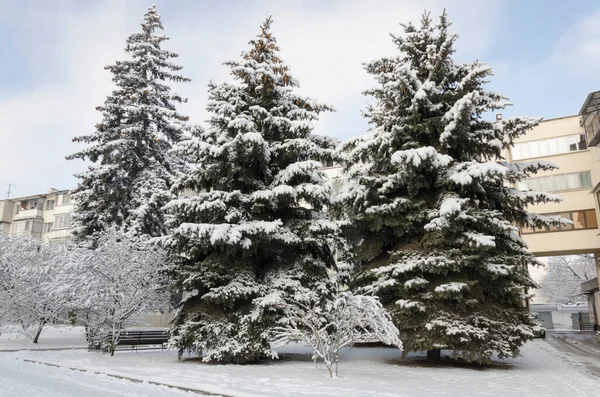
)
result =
(594, 301)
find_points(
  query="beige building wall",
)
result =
(6, 215)
(570, 241)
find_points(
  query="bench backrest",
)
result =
(142, 337)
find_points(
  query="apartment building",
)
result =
(45, 216)
(562, 141)
(590, 120)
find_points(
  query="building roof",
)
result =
(591, 104)
(33, 196)
(558, 118)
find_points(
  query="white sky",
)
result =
(55, 77)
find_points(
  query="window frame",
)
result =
(553, 179)
(565, 228)
(62, 221)
(561, 145)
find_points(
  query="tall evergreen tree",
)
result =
(430, 205)
(254, 232)
(129, 180)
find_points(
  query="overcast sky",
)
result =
(545, 56)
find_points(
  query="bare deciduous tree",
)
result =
(563, 278)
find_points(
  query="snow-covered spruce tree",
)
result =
(429, 205)
(131, 173)
(254, 229)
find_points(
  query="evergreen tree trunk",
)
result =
(434, 355)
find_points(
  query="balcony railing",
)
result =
(32, 213)
(589, 286)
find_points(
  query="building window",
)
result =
(50, 205)
(22, 226)
(559, 182)
(549, 147)
(62, 221)
(48, 227)
(584, 219)
(66, 199)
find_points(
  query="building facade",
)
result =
(562, 141)
(45, 216)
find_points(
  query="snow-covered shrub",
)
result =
(329, 324)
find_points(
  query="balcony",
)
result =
(28, 214)
(26, 233)
(59, 234)
(590, 117)
(589, 286)
(63, 209)
(571, 242)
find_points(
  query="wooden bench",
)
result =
(138, 340)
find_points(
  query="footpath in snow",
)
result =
(542, 371)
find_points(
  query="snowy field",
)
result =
(11, 338)
(22, 379)
(542, 371)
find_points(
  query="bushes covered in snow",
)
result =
(329, 324)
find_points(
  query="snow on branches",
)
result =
(255, 214)
(329, 324)
(56, 283)
(120, 280)
(38, 283)
(428, 203)
(131, 171)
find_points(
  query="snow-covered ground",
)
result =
(22, 379)
(542, 371)
(12, 338)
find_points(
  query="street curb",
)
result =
(187, 389)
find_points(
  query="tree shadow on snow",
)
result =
(419, 360)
